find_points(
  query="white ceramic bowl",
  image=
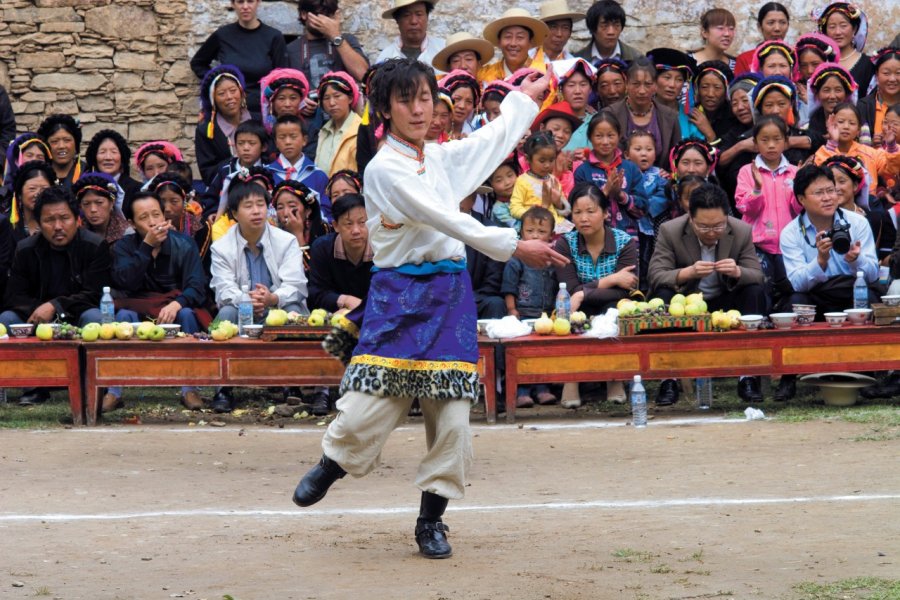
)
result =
(836, 319)
(858, 316)
(171, 329)
(806, 313)
(253, 331)
(892, 300)
(783, 320)
(21, 330)
(751, 322)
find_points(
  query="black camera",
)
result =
(840, 237)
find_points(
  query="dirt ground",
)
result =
(560, 510)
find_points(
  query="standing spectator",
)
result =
(848, 26)
(829, 85)
(874, 106)
(605, 21)
(514, 33)
(413, 42)
(560, 20)
(224, 106)
(283, 92)
(62, 134)
(773, 22)
(673, 69)
(96, 195)
(251, 144)
(7, 124)
(717, 27)
(812, 50)
(465, 52)
(248, 44)
(610, 81)
(465, 96)
(108, 152)
(324, 47)
(32, 178)
(28, 146)
(712, 114)
(338, 96)
(576, 80)
(843, 134)
(290, 137)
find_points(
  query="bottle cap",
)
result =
(245, 288)
(637, 378)
(860, 274)
(105, 289)
(562, 285)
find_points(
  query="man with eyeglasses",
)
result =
(820, 274)
(709, 252)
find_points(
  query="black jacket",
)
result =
(7, 251)
(89, 263)
(485, 272)
(211, 153)
(329, 277)
(176, 267)
(130, 186)
(7, 124)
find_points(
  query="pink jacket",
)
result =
(769, 211)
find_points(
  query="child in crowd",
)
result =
(843, 135)
(290, 134)
(559, 120)
(620, 179)
(765, 198)
(538, 186)
(493, 95)
(528, 292)
(502, 182)
(640, 148)
(154, 158)
(251, 143)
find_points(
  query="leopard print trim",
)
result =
(340, 344)
(444, 384)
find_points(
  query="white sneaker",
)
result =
(570, 396)
(615, 392)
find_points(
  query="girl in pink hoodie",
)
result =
(765, 198)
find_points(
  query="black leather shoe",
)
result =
(431, 536)
(749, 389)
(222, 402)
(787, 388)
(316, 482)
(318, 403)
(888, 388)
(668, 392)
(34, 396)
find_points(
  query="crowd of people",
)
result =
(656, 170)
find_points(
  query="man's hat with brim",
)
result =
(457, 43)
(398, 4)
(516, 17)
(560, 110)
(557, 10)
(667, 59)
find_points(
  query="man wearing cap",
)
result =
(413, 42)
(560, 19)
(515, 32)
(465, 52)
(323, 47)
(606, 20)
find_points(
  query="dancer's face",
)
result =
(411, 116)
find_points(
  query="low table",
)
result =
(30, 362)
(814, 349)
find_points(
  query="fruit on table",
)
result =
(91, 332)
(315, 319)
(220, 334)
(735, 316)
(336, 319)
(656, 303)
(107, 331)
(144, 329)
(678, 299)
(277, 318)
(544, 325)
(124, 331)
(562, 327)
(44, 332)
(157, 334)
(577, 318)
(676, 309)
(2, 329)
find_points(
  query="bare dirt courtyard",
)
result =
(560, 510)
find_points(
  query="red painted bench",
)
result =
(30, 362)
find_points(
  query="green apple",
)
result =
(656, 303)
(2, 329)
(692, 310)
(677, 299)
(157, 334)
(90, 332)
(107, 331)
(44, 332)
(144, 329)
(316, 320)
(676, 309)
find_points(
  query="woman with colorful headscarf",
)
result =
(32, 178)
(249, 44)
(176, 196)
(774, 58)
(28, 146)
(811, 50)
(465, 92)
(576, 80)
(493, 95)
(153, 158)
(223, 102)
(108, 152)
(848, 26)
(338, 97)
(688, 158)
(829, 85)
(673, 69)
(739, 138)
(773, 22)
(62, 134)
(887, 93)
(712, 113)
(282, 92)
(298, 212)
(611, 81)
(96, 194)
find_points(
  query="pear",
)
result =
(544, 325)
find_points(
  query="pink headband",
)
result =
(344, 82)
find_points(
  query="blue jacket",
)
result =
(628, 213)
(534, 289)
(309, 175)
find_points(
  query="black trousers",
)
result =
(749, 299)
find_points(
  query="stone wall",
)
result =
(124, 64)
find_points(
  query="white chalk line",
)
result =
(385, 511)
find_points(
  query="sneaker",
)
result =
(615, 392)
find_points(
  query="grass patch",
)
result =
(630, 555)
(661, 569)
(859, 588)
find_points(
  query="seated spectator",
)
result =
(161, 275)
(96, 195)
(298, 212)
(828, 86)
(155, 157)
(343, 182)
(717, 27)
(737, 147)
(820, 274)
(223, 102)
(603, 267)
(843, 134)
(182, 212)
(485, 272)
(413, 42)
(251, 145)
(57, 275)
(324, 46)
(529, 292)
(336, 150)
(875, 106)
(610, 82)
(514, 33)
(560, 20)
(62, 134)
(463, 52)
(256, 255)
(290, 135)
(108, 152)
(709, 252)
(32, 178)
(27, 147)
(283, 92)
(605, 22)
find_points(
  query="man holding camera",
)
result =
(323, 47)
(823, 249)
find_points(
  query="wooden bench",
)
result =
(814, 349)
(30, 362)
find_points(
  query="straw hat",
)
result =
(398, 4)
(457, 43)
(556, 10)
(520, 17)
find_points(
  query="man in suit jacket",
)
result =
(606, 20)
(709, 252)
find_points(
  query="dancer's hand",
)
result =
(536, 85)
(538, 254)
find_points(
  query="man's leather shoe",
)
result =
(34, 396)
(318, 403)
(749, 389)
(316, 482)
(110, 402)
(668, 393)
(222, 402)
(888, 388)
(787, 388)
(431, 536)
(192, 400)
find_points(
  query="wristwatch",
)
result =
(337, 41)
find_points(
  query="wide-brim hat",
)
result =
(457, 43)
(521, 18)
(398, 4)
(557, 10)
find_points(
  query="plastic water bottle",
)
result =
(860, 291)
(245, 311)
(107, 307)
(638, 403)
(704, 390)
(563, 302)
